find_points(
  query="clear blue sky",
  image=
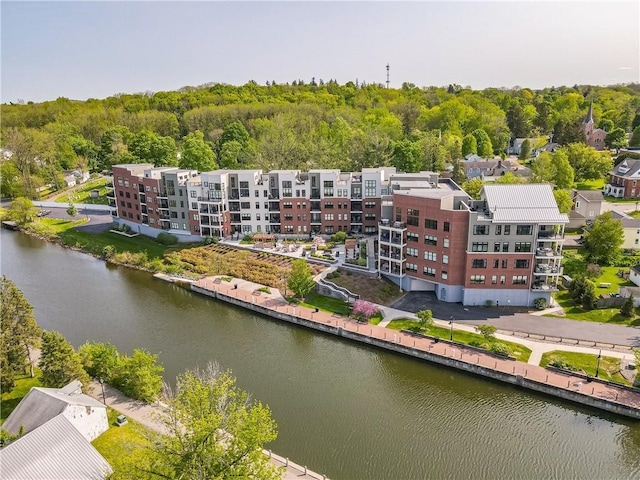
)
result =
(96, 49)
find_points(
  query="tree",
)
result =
(563, 200)
(301, 278)
(100, 360)
(139, 376)
(363, 310)
(627, 309)
(214, 430)
(616, 138)
(485, 148)
(425, 319)
(22, 210)
(604, 239)
(407, 156)
(525, 150)
(587, 162)
(635, 138)
(72, 211)
(509, 178)
(149, 147)
(197, 154)
(473, 187)
(19, 334)
(235, 132)
(229, 155)
(606, 124)
(469, 145)
(543, 169)
(487, 331)
(563, 171)
(457, 174)
(59, 362)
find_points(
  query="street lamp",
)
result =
(451, 328)
(598, 365)
(104, 400)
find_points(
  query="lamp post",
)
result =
(451, 328)
(104, 400)
(598, 365)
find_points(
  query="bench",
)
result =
(604, 285)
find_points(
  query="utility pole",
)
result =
(387, 75)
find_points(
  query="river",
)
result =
(343, 409)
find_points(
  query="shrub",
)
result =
(627, 307)
(500, 348)
(559, 363)
(264, 289)
(339, 237)
(211, 240)
(165, 238)
(593, 271)
(363, 310)
(108, 251)
(489, 303)
(540, 303)
(487, 331)
(226, 279)
(247, 239)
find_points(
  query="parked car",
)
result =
(43, 213)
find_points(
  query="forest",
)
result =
(302, 125)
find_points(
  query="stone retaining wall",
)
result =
(518, 380)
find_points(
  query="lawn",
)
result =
(81, 194)
(10, 400)
(125, 448)
(600, 315)
(519, 351)
(327, 304)
(586, 363)
(590, 184)
(371, 289)
(574, 263)
(95, 242)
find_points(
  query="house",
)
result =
(634, 275)
(55, 450)
(70, 179)
(595, 137)
(87, 415)
(515, 146)
(587, 204)
(631, 230)
(623, 180)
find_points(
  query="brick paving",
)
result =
(274, 301)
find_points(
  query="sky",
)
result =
(83, 50)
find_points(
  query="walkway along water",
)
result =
(575, 388)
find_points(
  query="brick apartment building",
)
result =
(505, 248)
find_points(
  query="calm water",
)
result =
(342, 409)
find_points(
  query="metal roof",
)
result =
(522, 203)
(55, 451)
(41, 405)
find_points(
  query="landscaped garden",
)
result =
(519, 351)
(585, 363)
(372, 289)
(82, 193)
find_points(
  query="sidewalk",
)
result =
(147, 414)
(559, 380)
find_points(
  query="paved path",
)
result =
(243, 290)
(148, 415)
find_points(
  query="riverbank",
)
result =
(572, 387)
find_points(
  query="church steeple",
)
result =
(589, 117)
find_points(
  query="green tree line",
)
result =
(299, 126)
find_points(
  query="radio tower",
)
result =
(387, 75)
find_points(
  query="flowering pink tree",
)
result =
(363, 310)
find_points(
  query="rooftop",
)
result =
(533, 203)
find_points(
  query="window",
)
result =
(524, 229)
(172, 204)
(328, 205)
(479, 263)
(194, 206)
(523, 247)
(287, 205)
(398, 214)
(430, 240)
(498, 229)
(496, 247)
(412, 252)
(505, 263)
(479, 247)
(431, 224)
(175, 226)
(245, 205)
(328, 189)
(411, 267)
(444, 275)
(265, 193)
(507, 229)
(429, 271)
(339, 204)
(431, 256)
(369, 204)
(494, 279)
(288, 229)
(505, 247)
(328, 216)
(127, 194)
(519, 279)
(477, 280)
(481, 230)
(412, 237)
(369, 188)
(257, 216)
(372, 216)
(496, 263)
(446, 226)
(413, 217)
(445, 258)
(445, 243)
(288, 216)
(192, 193)
(521, 263)
(503, 279)
(246, 216)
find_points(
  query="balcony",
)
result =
(108, 186)
(111, 194)
(207, 199)
(548, 252)
(549, 236)
(545, 269)
(274, 207)
(545, 287)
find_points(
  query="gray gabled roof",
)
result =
(590, 195)
(633, 165)
(55, 451)
(625, 220)
(42, 404)
(522, 203)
